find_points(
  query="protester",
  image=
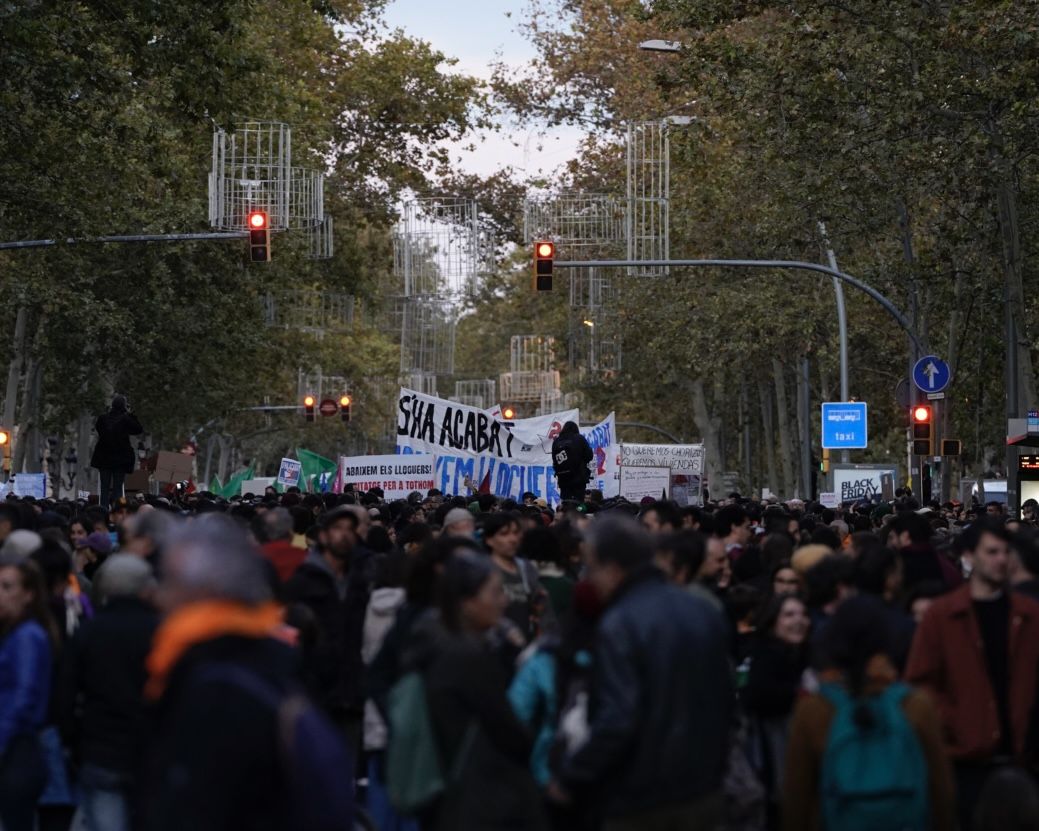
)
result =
(100, 700)
(661, 695)
(113, 457)
(778, 661)
(273, 530)
(985, 693)
(459, 522)
(571, 455)
(220, 678)
(334, 583)
(527, 604)
(28, 638)
(477, 731)
(885, 766)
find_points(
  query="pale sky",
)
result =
(477, 32)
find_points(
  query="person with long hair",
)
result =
(476, 729)
(28, 636)
(863, 701)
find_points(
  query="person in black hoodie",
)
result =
(100, 697)
(571, 455)
(113, 456)
(335, 583)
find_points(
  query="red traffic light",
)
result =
(309, 401)
(544, 255)
(258, 220)
(344, 401)
(921, 414)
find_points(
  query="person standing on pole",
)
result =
(571, 455)
(113, 456)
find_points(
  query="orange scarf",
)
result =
(200, 622)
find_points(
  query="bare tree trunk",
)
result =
(85, 477)
(709, 430)
(769, 436)
(1013, 266)
(14, 372)
(804, 433)
(786, 448)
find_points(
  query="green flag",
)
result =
(317, 471)
(234, 484)
(214, 486)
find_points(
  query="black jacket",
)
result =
(214, 763)
(775, 674)
(467, 691)
(113, 450)
(99, 699)
(334, 668)
(661, 701)
(571, 455)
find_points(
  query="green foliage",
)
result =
(110, 109)
(909, 129)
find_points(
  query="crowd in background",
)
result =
(315, 660)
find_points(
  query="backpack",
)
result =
(414, 773)
(564, 458)
(312, 755)
(873, 778)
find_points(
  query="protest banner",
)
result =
(525, 463)
(639, 481)
(396, 475)
(30, 484)
(681, 458)
(288, 473)
(427, 424)
(686, 462)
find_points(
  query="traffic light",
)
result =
(952, 447)
(5, 444)
(508, 413)
(344, 408)
(544, 257)
(308, 407)
(923, 430)
(259, 237)
(824, 465)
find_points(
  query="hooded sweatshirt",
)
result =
(382, 612)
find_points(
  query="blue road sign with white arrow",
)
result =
(931, 374)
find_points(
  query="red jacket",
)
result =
(285, 557)
(947, 659)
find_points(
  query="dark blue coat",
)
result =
(661, 701)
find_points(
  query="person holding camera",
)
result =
(113, 455)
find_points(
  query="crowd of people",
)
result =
(320, 661)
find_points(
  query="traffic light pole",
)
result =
(50, 243)
(839, 277)
(785, 265)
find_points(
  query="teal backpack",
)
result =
(414, 772)
(873, 778)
